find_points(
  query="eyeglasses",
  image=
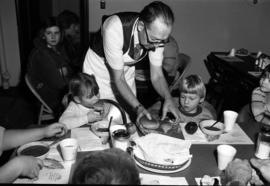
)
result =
(156, 44)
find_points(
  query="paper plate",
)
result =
(158, 168)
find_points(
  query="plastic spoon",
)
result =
(212, 127)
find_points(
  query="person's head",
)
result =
(192, 93)
(171, 61)
(155, 25)
(70, 23)
(84, 89)
(110, 166)
(51, 32)
(265, 79)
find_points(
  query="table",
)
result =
(204, 156)
(204, 160)
(234, 75)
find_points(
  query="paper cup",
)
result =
(225, 154)
(69, 148)
(229, 119)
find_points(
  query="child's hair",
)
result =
(83, 84)
(193, 84)
(110, 166)
(266, 72)
(50, 22)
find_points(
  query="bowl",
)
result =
(37, 149)
(214, 132)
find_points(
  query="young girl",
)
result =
(260, 100)
(84, 93)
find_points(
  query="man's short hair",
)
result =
(155, 10)
(67, 18)
(110, 166)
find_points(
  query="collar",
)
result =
(199, 110)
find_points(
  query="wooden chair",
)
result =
(45, 112)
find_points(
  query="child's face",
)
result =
(265, 84)
(189, 102)
(52, 35)
(89, 102)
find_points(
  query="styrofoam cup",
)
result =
(69, 148)
(229, 119)
(225, 154)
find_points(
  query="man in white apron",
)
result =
(112, 57)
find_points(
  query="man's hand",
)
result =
(141, 111)
(238, 171)
(263, 166)
(169, 106)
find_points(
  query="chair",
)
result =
(245, 114)
(45, 112)
(215, 87)
(185, 63)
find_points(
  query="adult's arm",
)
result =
(26, 166)
(113, 44)
(160, 84)
(15, 138)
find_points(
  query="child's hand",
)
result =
(55, 129)
(28, 166)
(94, 116)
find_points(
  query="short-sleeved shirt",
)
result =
(113, 43)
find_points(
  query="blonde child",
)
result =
(84, 93)
(260, 100)
(191, 103)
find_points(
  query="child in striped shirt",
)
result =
(260, 100)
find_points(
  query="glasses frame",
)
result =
(156, 44)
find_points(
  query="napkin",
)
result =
(162, 149)
(151, 179)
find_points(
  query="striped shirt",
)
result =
(259, 106)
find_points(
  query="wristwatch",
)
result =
(138, 107)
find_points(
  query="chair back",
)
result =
(185, 63)
(45, 113)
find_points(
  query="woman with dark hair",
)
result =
(125, 39)
(48, 66)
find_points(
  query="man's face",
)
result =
(74, 32)
(155, 35)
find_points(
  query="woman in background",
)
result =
(48, 66)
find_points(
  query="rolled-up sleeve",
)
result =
(113, 42)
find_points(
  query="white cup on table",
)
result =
(225, 154)
(69, 148)
(229, 119)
